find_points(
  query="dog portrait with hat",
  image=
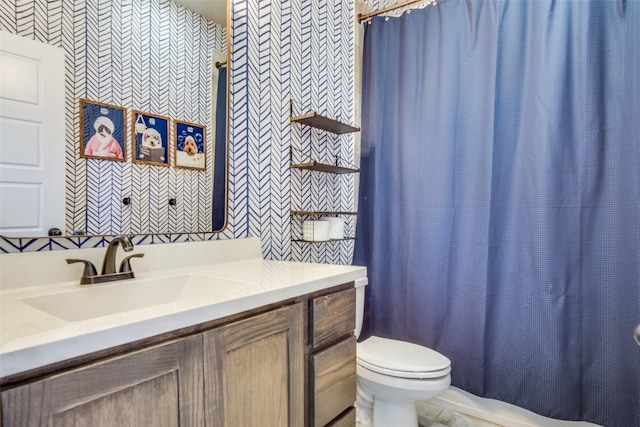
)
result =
(102, 130)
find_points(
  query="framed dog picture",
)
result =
(102, 131)
(191, 145)
(150, 136)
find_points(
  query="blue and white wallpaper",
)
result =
(155, 59)
(300, 51)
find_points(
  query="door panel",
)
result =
(32, 137)
(254, 371)
(160, 386)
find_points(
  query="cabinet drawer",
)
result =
(333, 381)
(332, 317)
(348, 419)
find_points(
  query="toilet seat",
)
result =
(401, 359)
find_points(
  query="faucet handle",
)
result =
(89, 268)
(125, 265)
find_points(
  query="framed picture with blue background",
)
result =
(102, 131)
(191, 145)
(150, 136)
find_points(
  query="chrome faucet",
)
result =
(109, 272)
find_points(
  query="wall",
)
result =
(298, 49)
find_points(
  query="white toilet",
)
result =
(393, 375)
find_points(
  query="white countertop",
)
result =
(31, 337)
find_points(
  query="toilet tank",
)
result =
(360, 286)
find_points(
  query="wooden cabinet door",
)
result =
(254, 371)
(159, 386)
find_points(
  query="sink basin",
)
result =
(93, 301)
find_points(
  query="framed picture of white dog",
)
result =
(191, 145)
(150, 137)
(102, 131)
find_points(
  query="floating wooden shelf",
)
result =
(330, 125)
(324, 167)
(325, 123)
(322, 241)
(322, 213)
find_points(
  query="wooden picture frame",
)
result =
(190, 143)
(150, 138)
(102, 131)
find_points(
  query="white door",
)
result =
(32, 140)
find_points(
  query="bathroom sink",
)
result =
(93, 301)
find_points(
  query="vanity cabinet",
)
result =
(287, 364)
(158, 386)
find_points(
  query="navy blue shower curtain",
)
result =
(499, 206)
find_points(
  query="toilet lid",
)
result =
(401, 359)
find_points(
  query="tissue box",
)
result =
(315, 231)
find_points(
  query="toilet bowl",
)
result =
(393, 375)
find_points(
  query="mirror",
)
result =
(163, 68)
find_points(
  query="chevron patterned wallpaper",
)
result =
(299, 50)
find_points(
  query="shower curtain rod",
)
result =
(366, 16)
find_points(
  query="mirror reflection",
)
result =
(165, 68)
